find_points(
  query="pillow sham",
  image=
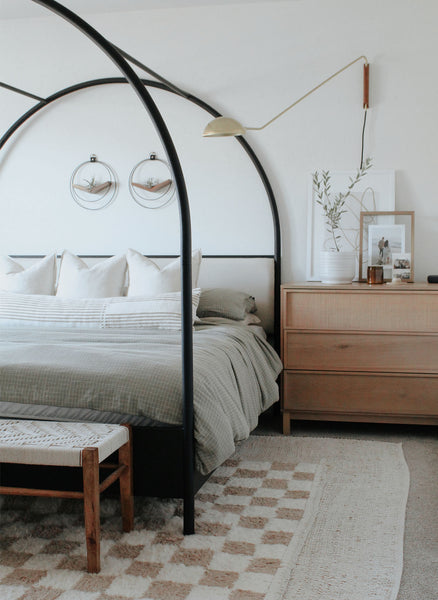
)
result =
(39, 278)
(103, 280)
(146, 278)
(163, 311)
(227, 303)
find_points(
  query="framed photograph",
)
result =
(383, 241)
(374, 193)
(401, 267)
(383, 235)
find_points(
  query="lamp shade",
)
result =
(223, 126)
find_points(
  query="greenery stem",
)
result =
(334, 207)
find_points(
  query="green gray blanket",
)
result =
(139, 372)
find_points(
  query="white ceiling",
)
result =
(15, 9)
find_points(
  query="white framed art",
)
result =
(375, 192)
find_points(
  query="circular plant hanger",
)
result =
(151, 184)
(93, 184)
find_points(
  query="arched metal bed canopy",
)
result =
(120, 59)
(166, 86)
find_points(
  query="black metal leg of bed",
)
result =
(189, 513)
(189, 462)
(189, 493)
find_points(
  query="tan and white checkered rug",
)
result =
(253, 518)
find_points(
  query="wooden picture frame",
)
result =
(397, 220)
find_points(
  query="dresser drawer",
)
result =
(365, 310)
(355, 393)
(361, 352)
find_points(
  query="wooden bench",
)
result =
(83, 445)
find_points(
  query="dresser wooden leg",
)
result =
(90, 471)
(286, 423)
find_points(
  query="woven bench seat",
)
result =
(57, 443)
(84, 445)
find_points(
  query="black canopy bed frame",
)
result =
(171, 468)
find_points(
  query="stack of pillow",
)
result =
(97, 296)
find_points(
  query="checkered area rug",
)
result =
(248, 515)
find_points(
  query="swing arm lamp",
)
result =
(226, 126)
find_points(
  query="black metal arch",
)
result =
(163, 86)
(186, 244)
(118, 58)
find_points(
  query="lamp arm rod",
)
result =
(310, 92)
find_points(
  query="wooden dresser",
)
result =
(360, 353)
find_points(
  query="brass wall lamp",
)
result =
(226, 126)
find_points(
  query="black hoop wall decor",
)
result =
(150, 182)
(93, 184)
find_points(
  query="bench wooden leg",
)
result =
(126, 486)
(90, 473)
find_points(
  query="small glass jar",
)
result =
(375, 274)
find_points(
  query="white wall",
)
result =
(248, 61)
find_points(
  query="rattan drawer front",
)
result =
(361, 352)
(355, 393)
(361, 310)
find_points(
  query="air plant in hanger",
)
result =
(92, 187)
(153, 185)
(91, 183)
(334, 207)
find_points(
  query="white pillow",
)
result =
(103, 280)
(39, 278)
(163, 312)
(147, 279)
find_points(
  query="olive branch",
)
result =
(334, 207)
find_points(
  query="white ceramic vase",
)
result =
(336, 267)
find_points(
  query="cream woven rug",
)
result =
(284, 519)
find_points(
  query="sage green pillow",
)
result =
(227, 303)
